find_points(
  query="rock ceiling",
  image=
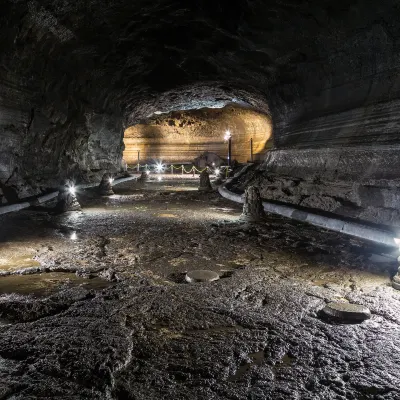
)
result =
(126, 53)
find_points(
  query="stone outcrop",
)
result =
(253, 210)
(105, 187)
(66, 199)
(205, 184)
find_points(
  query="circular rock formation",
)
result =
(66, 199)
(205, 185)
(346, 312)
(253, 210)
(105, 188)
(396, 280)
(201, 275)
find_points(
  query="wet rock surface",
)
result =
(201, 275)
(253, 334)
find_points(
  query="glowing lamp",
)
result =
(74, 236)
(159, 179)
(147, 172)
(72, 189)
(111, 180)
(159, 168)
(217, 171)
(227, 136)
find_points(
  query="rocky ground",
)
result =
(109, 315)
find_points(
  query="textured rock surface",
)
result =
(253, 210)
(253, 334)
(182, 136)
(105, 188)
(72, 76)
(359, 183)
(66, 199)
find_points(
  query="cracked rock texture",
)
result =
(253, 334)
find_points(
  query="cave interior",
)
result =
(309, 92)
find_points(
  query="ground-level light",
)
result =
(159, 168)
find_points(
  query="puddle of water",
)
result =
(40, 285)
(167, 215)
(256, 359)
(18, 262)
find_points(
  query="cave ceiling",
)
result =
(143, 56)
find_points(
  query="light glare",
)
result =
(159, 167)
(227, 135)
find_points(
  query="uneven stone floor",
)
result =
(127, 326)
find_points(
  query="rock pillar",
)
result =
(66, 199)
(205, 185)
(105, 187)
(253, 210)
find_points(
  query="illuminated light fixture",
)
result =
(159, 179)
(217, 171)
(213, 164)
(227, 136)
(159, 168)
(111, 180)
(147, 172)
(72, 189)
(74, 236)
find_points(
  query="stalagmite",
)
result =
(66, 199)
(105, 187)
(253, 210)
(205, 185)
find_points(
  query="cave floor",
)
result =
(102, 310)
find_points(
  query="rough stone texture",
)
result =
(253, 334)
(66, 200)
(208, 159)
(354, 182)
(346, 312)
(205, 184)
(182, 136)
(105, 188)
(253, 210)
(73, 76)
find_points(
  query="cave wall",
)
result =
(182, 136)
(337, 138)
(53, 124)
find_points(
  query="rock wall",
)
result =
(40, 145)
(182, 136)
(337, 127)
